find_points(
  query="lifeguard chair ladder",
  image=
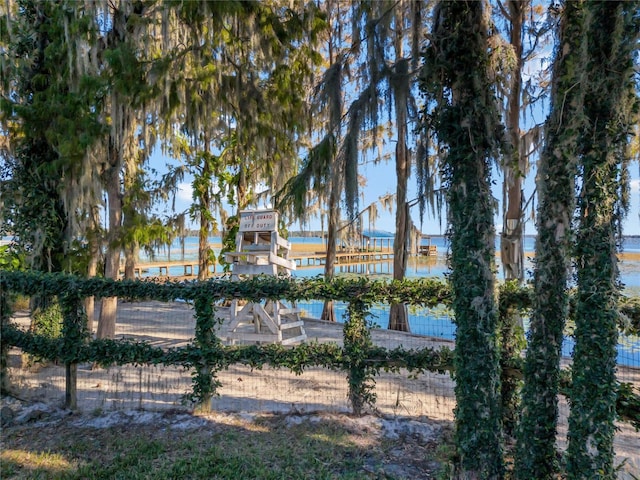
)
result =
(261, 251)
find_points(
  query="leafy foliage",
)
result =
(610, 107)
(512, 342)
(536, 451)
(50, 122)
(10, 259)
(357, 340)
(48, 321)
(462, 113)
(361, 360)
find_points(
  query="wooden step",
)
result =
(286, 326)
(299, 338)
(252, 337)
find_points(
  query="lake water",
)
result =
(418, 266)
(437, 322)
(431, 322)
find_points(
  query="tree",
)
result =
(47, 187)
(368, 41)
(237, 94)
(44, 107)
(123, 111)
(610, 107)
(557, 168)
(191, 65)
(211, 184)
(322, 171)
(463, 115)
(141, 229)
(407, 17)
(514, 168)
(510, 58)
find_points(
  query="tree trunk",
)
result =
(121, 139)
(107, 321)
(610, 107)
(204, 251)
(466, 121)
(511, 240)
(557, 168)
(92, 271)
(131, 257)
(328, 311)
(398, 315)
(203, 246)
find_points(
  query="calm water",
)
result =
(437, 323)
(417, 267)
(437, 267)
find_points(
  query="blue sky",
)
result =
(381, 177)
(381, 181)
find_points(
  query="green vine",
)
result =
(462, 113)
(357, 342)
(512, 342)
(361, 360)
(5, 315)
(611, 107)
(536, 455)
(205, 382)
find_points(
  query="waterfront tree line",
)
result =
(287, 100)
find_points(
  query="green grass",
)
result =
(267, 449)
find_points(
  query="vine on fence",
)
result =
(205, 382)
(359, 358)
(5, 314)
(357, 342)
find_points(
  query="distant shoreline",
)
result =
(315, 248)
(318, 234)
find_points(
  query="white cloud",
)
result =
(185, 192)
(634, 185)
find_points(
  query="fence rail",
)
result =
(206, 357)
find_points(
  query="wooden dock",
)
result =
(188, 269)
(342, 258)
(428, 250)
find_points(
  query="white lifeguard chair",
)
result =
(260, 250)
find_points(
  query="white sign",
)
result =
(258, 221)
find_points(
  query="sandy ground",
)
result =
(426, 397)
